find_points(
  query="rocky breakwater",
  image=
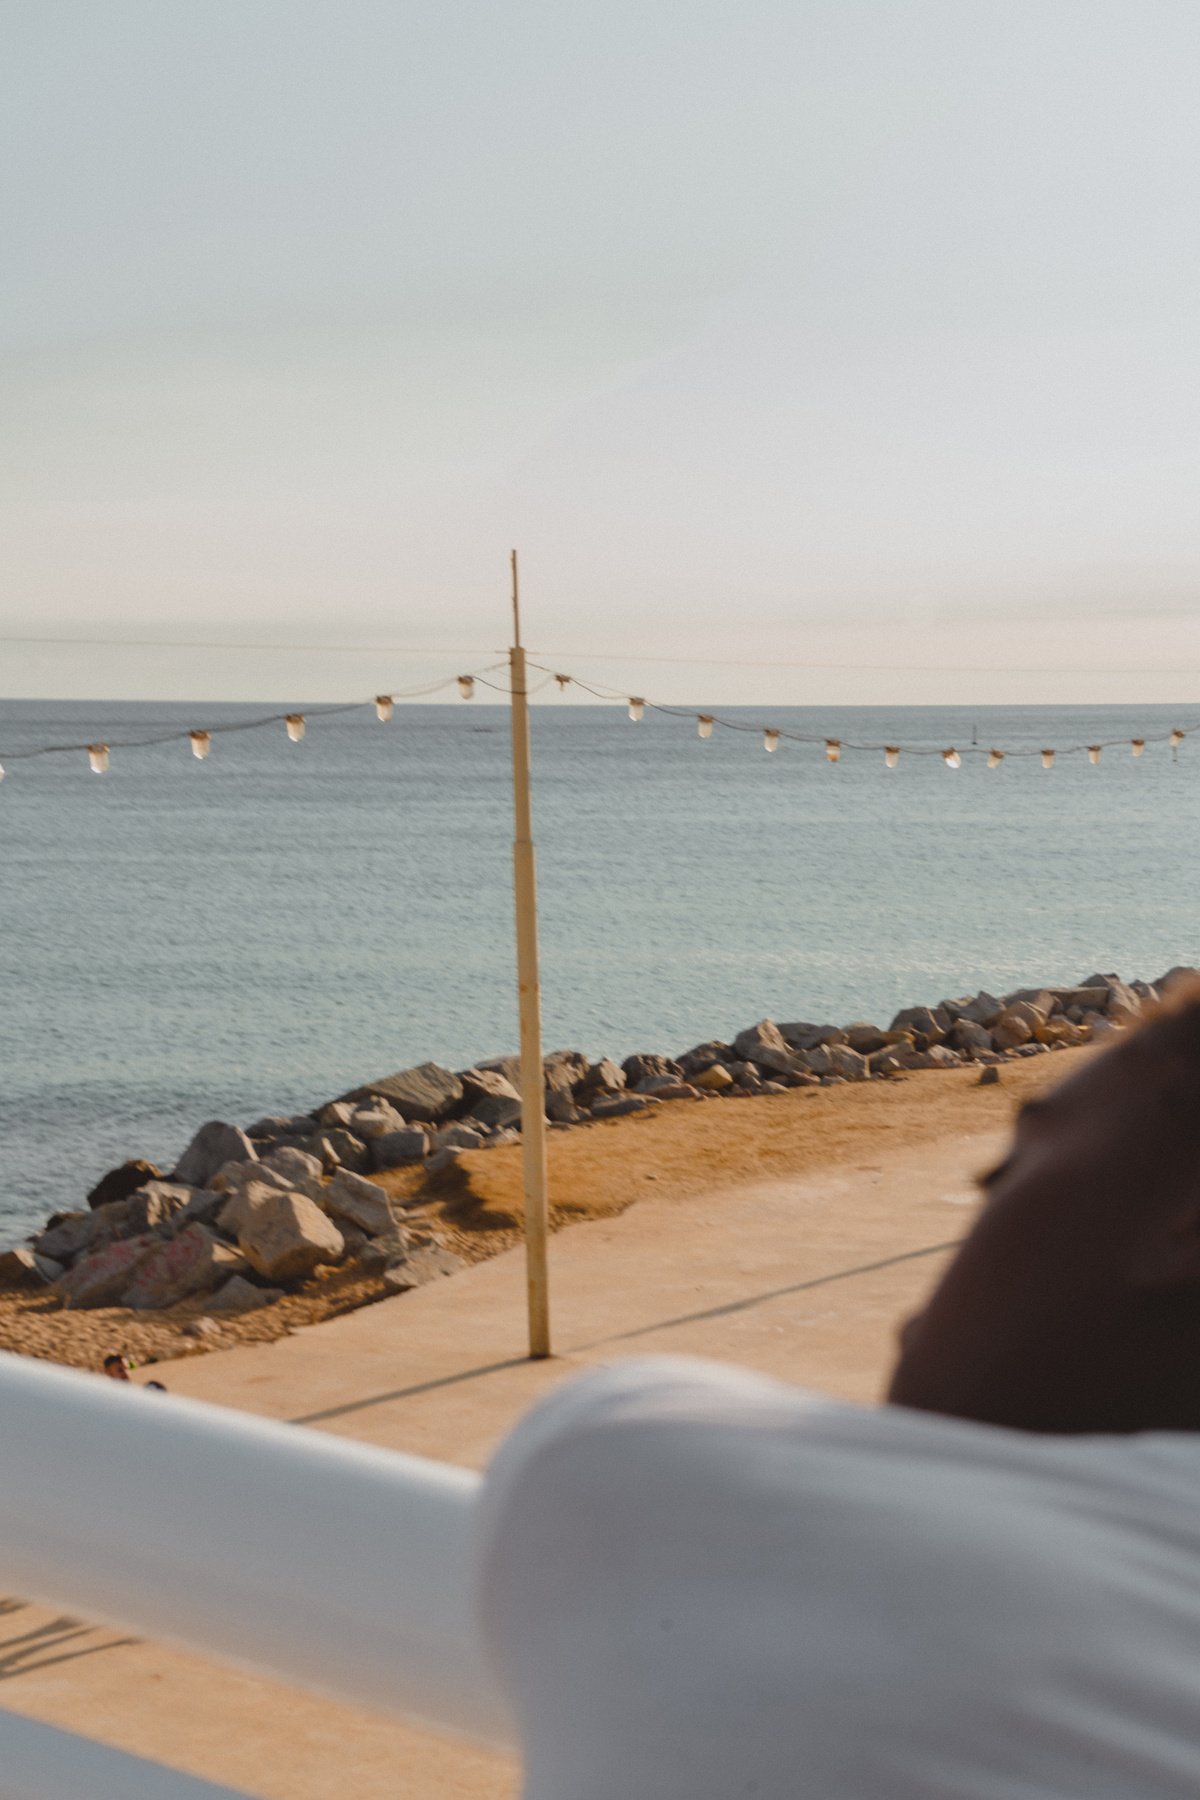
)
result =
(247, 1216)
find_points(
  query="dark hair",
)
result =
(157, 1385)
(114, 1356)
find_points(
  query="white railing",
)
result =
(328, 1564)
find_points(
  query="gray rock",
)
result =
(384, 1252)
(23, 1268)
(297, 1167)
(342, 1150)
(102, 1276)
(426, 1092)
(968, 1036)
(1099, 981)
(335, 1116)
(420, 1267)
(274, 1125)
(213, 1146)
(1123, 1003)
(232, 1177)
(645, 1066)
(459, 1136)
(510, 1067)
(867, 1038)
(561, 1109)
(561, 1069)
(715, 1079)
(156, 1205)
(398, 1148)
(68, 1237)
(984, 1009)
(747, 1075)
(612, 1106)
(1176, 977)
(988, 1077)
(122, 1181)
(443, 1160)
(1012, 1030)
(496, 1112)
(202, 1209)
(603, 1077)
(194, 1262)
(703, 1056)
(764, 1046)
(240, 1296)
(928, 1022)
(362, 1202)
(798, 1034)
(375, 1119)
(284, 1237)
(485, 1084)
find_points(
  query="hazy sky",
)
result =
(820, 332)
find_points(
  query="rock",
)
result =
(239, 1296)
(398, 1148)
(764, 1046)
(561, 1069)
(194, 1262)
(426, 1092)
(1098, 1025)
(1059, 1033)
(459, 1136)
(1123, 1003)
(969, 1037)
(867, 1038)
(747, 1075)
(703, 1056)
(122, 1181)
(156, 1205)
(485, 1084)
(274, 1125)
(214, 1145)
(983, 1009)
(362, 1202)
(1012, 1031)
(836, 1059)
(443, 1160)
(612, 1106)
(940, 1056)
(713, 1080)
(335, 1115)
(1033, 1013)
(1099, 981)
(100, 1278)
(372, 1121)
(930, 1023)
(988, 1077)
(23, 1268)
(645, 1066)
(202, 1208)
(233, 1177)
(420, 1267)
(1176, 978)
(384, 1252)
(201, 1328)
(283, 1236)
(889, 1060)
(561, 1109)
(297, 1167)
(67, 1237)
(603, 1077)
(496, 1112)
(341, 1150)
(1085, 999)
(666, 1087)
(510, 1066)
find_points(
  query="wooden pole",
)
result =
(533, 1109)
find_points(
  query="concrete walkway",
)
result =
(805, 1280)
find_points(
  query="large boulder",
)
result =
(867, 1038)
(23, 1268)
(764, 1046)
(715, 1079)
(213, 1146)
(602, 1077)
(155, 1206)
(968, 1036)
(1013, 1030)
(122, 1181)
(646, 1066)
(398, 1148)
(703, 1056)
(1123, 1003)
(798, 1034)
(561, 1069)
(297, 1167)
(100, 1278)
(375, 1118)
(485, 1084)
(426, 1092)
(340, 1150)
(1176, 978)
(194, 1262)
(234, 1178)
(284, 1237)
(73, 1234)
(927, 1022)
(496, 1112)
(982, 1009)
(459, 1136)
(359, 1202)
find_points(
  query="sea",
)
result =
(183, 940)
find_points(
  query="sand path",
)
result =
(802, 1274)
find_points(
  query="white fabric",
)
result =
(699, 1585)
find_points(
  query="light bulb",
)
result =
(466, 686)
(98, 758)
(201, 742)
(637, 707)
(1094, 753)
(1176, 739)
(295, 726)
(770, 740)
(952, 759)
(1047, 759)
(1137, 746)
(833, 750)
(564, 682)
(995, 758)
(704, 724)
(385, 706)
(891, 755)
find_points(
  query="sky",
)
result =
(819, 351)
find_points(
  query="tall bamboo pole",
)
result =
(533, 1110)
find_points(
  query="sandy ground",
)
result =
(789, 1234)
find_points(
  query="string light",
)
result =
(833, 750)
(770, 739)
(1176, 738)
(564, 682)
(637, 709)
(385, 706)
(98, 758)
(891, 755)
(1095, 751)
(295, 726)
(201, 742)
(995, 758)
(466, 686)
(704, 724)
(952, 759)
(1047, 759)
(1138, 746)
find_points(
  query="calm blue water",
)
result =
(181, 940)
